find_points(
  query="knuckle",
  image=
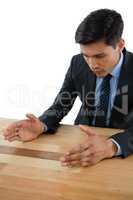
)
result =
(84, 164)
(85, 159)
(92, 162)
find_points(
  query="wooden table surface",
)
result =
(32, 171)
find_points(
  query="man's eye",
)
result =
(100, 56)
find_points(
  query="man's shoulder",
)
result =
(128, 61)
(78, 61)
(78, 65)
(128, 54)
(78, 58)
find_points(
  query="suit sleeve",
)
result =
(125, 138)
(62, 103)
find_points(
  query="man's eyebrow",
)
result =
(96, 55)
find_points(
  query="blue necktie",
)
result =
(102, 107)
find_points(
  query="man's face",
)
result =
(101, 57)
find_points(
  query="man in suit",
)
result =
(102, 77)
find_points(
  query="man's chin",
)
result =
(100, 73)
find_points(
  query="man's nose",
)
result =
(92, 62)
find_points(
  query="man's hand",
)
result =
(24, 130)
(93, 150)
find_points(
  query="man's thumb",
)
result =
(87, 130)
(31, 117)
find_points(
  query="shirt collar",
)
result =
(116, 70)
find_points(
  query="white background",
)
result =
(36, 46)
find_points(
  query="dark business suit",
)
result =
(81, 81)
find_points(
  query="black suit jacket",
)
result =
(81, 81)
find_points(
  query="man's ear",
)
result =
(121, 44)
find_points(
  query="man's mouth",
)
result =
(98, 70)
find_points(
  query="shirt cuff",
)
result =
(119, 151)
(45, 128)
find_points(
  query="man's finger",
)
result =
(7, 137)
(85, 164)
(11, 129)
(72, 157)
(79, 156)
(14, 138)
(87, 153)
(71, 164)
(77, 149)
(12, 134)
(75, 163)
(32, 117)
(87, 130)
(86, 159)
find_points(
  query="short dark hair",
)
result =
(102, 24)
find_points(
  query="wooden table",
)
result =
(32, 171)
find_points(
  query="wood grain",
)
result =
(32, 171)
(30, 153)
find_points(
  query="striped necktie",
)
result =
(102, 107)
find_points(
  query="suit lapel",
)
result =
(89, 101)
(117, 110)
